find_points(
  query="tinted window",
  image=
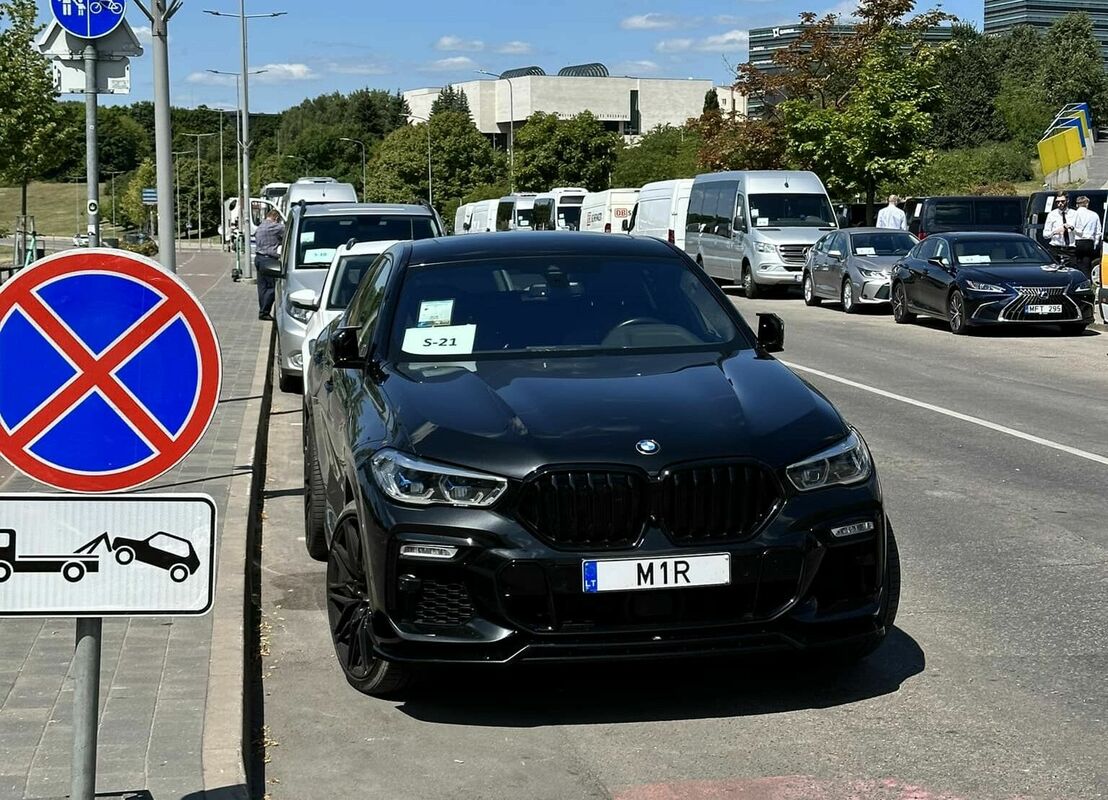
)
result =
(725, 208)
(348, 276)
(942, 251)
(926, 250)
(696, 208)
(542, 214)
(1000, 212)
(366, 304)
(518, 306)
(569, 218)
(791, 211)
(523, 217)
(740, 211)
(504, 215)
(320, 237)
(1003, 251)
(882, 244)
(951, 213)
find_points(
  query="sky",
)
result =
(323, 46)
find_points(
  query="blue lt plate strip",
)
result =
(589, 570)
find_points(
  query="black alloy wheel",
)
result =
(350, 615)
(849, 305)
(901, 314)
(809, 289)
(750, 288)
(956, 313)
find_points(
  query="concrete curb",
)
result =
(223, 761)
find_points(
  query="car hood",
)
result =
(882, 263)
(512, 417)
(1019, 276)
(803, 235)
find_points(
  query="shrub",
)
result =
(960, 171)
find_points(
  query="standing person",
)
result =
(891, 216)
(1088, 233)
(1058, 230)
(268, 238)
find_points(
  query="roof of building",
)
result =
(521, 72)
(594, 70)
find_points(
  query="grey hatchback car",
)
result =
(853, 266)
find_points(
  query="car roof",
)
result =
(337, 209)
(522, 244)
(971, 235)
(850, 231)
(366, 248)
(985, 197)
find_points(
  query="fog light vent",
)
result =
(436, 552)
(853, 529)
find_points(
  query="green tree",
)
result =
(661, 154)
(711, 100)
(131, 210)
(451, 99)
(577, 151)
(969, 75)
(30, 119)
(1074, 70)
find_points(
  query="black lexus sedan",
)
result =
(566, 446)
(977, 279)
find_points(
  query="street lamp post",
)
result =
(511, 130)
(113, 173)
(199, 196)
(430, 194)
(360, 144)
(238, 137)
(177, 184)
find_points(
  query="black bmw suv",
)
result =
(562, 446)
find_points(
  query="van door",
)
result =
(692, 222)
(715, 250)
(740, 230)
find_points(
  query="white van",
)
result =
(559, 209)
(756, 228)
(461, 218)
(514, 212)
(608, 211)
(482, 216)
(661, 211)
(314, 191)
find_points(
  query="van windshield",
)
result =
(320, 237)
(569, 218)
(791, 211)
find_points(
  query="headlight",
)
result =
(1084, 286)
(992, 288)
(765, 247)
(873, 273)
(298, 313)
(847, 462)
(411, 480)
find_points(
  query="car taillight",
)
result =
(607, 227)
(921, 235)
(671, 237)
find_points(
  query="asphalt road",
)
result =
(991, 688)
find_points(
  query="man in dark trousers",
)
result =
(267, 240)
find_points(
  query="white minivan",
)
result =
(559, 209)
(514, 212)
(608, 211)
(462, 218)
(661, 211)
(756, 228)
(314, 191)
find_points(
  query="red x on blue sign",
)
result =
(109, 371)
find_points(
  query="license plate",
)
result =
(1039, 309)
(630, 574)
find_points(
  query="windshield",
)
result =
(320, 237)
(556, 305)
(523, 217)
(569, 218)
(348, 274)
(791, 211)
(882, 244)
(1000, 251)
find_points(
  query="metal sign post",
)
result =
(111, 376)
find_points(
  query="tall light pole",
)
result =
(244, 111)
(511, 130)
(199, 196)
(177, 184)
(238, 134)
(360, 144)
(430, 194)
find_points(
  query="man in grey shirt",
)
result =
(267, 240)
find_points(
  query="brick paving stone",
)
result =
(154, 672)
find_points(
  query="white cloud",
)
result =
(448, 64)
(209, 79)
(674, 45)
(723, 43)
(357, 68)
(456, 44)
(515, 48)
(650, 22)
(144, 34)
(280, 73)
(635, 67)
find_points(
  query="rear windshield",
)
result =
(320, 237)
(968, 252)
(348, 275)
(882, 244)
(952, 212)
(556, 305)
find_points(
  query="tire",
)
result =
(809, 290)
(73, 571)
(178, 573)
(315, 506)
(1074, 328)
(901, 314)
(5, 571)
(846, 296)
(350, 616)
(124, 555)
(750, 288)
(290, 384)
(956, 313)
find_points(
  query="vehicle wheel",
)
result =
(810, 298)
(290, 384)
(1073, 328)
(314, 506)
(5, 571)
(849, 306)
(124, 555)
(350, 616)
(178, 573)
(750, 288)
(956, 311)
(901, 314)
(73, 571)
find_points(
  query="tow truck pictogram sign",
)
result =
(111, 371)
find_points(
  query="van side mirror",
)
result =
(344, 349)
(739, 224)
(625, 225)
(771, 333)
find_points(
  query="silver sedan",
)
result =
(853, 266)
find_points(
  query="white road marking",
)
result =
(984, 423)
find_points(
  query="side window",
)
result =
(287, 247)
(366, 305)
(712, 219)
(942, 251)
(696, 208)
(725, 209)
(740, 213)
(926, 249)
(504, 216)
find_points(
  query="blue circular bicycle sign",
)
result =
(89, 19)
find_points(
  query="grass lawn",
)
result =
(58, 208)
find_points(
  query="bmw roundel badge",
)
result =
(648, 447)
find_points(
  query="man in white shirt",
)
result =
(1058, 229)
(1088, 234)
(891, 216)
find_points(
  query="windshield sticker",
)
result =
(447, 340)
(974, 259)
(320, 255)
(435, 313)
(754, 212)
(866, 251)
(307, 237)
(762, 222)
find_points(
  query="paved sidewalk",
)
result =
(155, 672)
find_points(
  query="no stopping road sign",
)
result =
(111, 371)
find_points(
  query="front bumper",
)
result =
(779, 273)
(1012, 307)
(507, 596)
(290, 335)
(873, 290)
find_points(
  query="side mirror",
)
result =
(738, 225)
(625, 225)
(835, 253)
(771, 333)
(465, 226)
(938, 262)
(304, 298)
(344, 349)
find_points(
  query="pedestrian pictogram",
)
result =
(111, 371)
(89, 19)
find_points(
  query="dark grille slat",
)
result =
(717, 503)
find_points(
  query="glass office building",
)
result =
(1003, 15)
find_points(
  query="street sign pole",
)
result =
(92, 153)
(159, 15)
(86, 706)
